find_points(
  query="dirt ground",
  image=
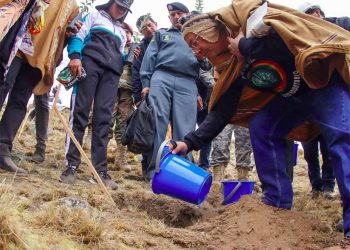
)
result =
(38, 212)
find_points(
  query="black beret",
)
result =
(177, 6)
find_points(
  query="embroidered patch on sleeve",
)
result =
(267, 75)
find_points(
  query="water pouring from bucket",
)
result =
(177, 177)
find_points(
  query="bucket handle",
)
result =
(229, 196)
(159, 155)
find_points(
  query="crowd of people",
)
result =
(290, 82)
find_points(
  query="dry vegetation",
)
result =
(38, 212)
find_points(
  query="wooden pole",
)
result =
(55, 100)
(56, 95)
(77, 144)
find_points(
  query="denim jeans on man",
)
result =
(330, 108)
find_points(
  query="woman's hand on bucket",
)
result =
(178, 148)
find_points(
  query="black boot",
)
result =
(8, 165)
(38, 156)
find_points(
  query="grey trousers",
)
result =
(174, 99)
(42, 112)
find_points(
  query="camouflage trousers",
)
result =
(122, 110)
(221, 147)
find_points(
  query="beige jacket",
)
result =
(49, 43)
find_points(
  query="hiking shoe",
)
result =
(329, 194)
(106, 179)
(8, 165)
(38, 156)
(121, 161)
(242, 173)
(69, 175)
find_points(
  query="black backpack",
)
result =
(139, 132)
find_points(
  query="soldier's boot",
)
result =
(87, 139)
(218, 173)
(121, 159)
(242, 173)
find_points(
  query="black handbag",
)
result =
(139, 132)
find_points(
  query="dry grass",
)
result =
(75, 223)
(10, 233)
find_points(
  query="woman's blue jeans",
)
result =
(330, 108)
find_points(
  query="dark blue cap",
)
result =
(177, 6)
(124, 3)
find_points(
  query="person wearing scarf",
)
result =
(34, 73)
(273, 84)
(17, 20)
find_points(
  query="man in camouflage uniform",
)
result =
(220, 156)
(124, 105)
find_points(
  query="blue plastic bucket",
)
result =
(233, 190)
(179, 178)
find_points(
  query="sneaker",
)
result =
(329, 194)
(69, 175)
(106, 179)
(8, 165)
